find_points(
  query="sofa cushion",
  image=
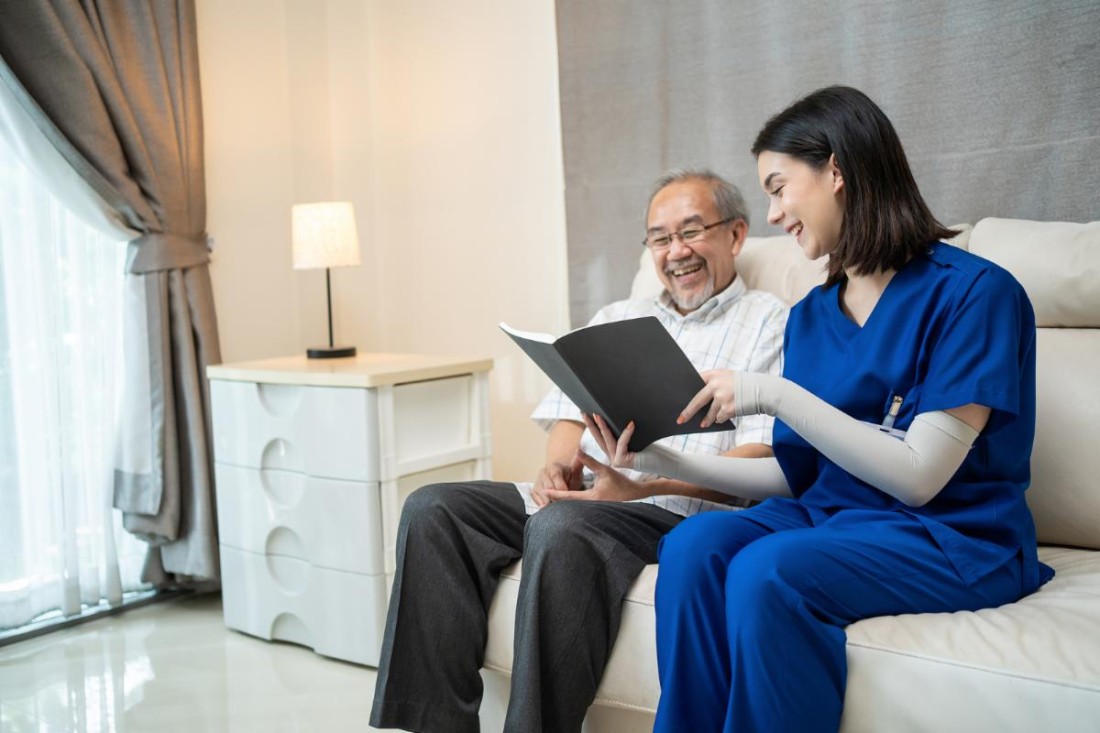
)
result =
(1065, 464)
(778, 265)
(1028, 666)
(1057, 263)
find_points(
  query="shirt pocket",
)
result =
(910, 406)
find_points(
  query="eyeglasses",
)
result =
(693, 234)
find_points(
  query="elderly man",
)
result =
(579, 555)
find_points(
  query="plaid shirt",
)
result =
(737, 329)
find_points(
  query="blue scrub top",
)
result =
(950, 329)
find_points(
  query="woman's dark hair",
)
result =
(886, 221)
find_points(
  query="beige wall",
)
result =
(439, 120)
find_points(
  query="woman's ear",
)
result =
(834, 170)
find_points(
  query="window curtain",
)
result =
(996, 101)
(61, 545)
(112, 87)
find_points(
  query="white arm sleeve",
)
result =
(749, 478)
(913, 471)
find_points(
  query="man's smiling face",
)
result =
(692, 273)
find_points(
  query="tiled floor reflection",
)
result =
(175, 667)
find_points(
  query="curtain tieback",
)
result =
(155, 251)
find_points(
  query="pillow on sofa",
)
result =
(646, 283)
(778, 265)
(1058, 264)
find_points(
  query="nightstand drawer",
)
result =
(329, 432)
(326, 522)
(334, 613)
(434, 423)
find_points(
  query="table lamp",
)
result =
(324, 236)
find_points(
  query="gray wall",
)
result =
(997, 103)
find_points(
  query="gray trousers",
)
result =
(579, 559)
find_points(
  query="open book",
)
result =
(622, 371)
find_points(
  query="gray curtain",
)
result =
(113, 85)
(996, 101)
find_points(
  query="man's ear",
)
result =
(738, 231)
(834, 171)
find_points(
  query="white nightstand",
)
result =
(313, 459)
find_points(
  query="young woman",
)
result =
(906, 416)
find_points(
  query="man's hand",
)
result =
(562, 470)
(616, 450)
(559, 478)
(610, 485)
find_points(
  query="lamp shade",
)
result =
(323, 235)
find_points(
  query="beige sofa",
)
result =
(1030, 666)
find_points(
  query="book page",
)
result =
(544, 338)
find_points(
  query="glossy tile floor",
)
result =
(173, 666)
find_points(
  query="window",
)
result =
(62, 548)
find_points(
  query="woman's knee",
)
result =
(698, 550)
(766, 576)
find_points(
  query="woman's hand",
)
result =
(720, 391)
(610, 485)
(616, 450)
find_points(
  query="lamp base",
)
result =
(330, 352)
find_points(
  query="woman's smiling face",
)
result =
(806, 202)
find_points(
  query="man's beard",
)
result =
(689, 303)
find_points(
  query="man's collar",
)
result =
(714, 305)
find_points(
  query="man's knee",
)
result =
(427, 500)
(434, 505)
(556, 526)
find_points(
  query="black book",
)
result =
(622, 371)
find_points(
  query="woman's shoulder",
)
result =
(966, 264)
(972, 276)
(956, 263)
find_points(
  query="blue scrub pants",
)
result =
(751, 609)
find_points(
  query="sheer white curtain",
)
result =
(61, 288)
